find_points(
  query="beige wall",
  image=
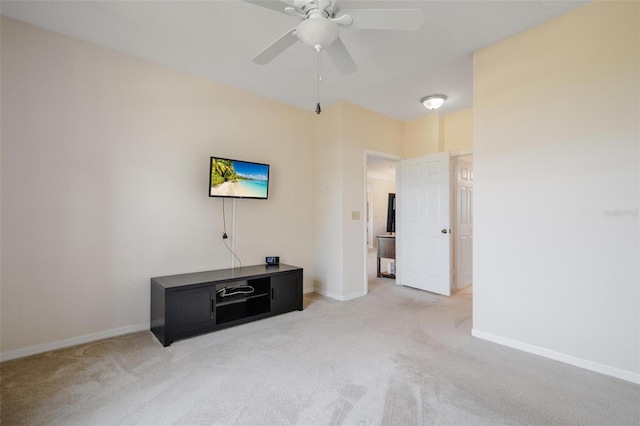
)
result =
(342, 136)
(328, 205)
(458, 131)
(434, 133)
(556, 147)
(363, 129)
(421, 136)
(104, 167)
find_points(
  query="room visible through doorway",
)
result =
(381, 181)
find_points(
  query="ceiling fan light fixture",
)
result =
(318, 33)
(433, 102)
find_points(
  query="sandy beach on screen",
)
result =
(226, 188)
(236, 189)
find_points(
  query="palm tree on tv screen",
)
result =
(222, 171)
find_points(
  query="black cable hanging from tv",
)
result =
(224, 234)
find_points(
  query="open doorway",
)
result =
(380, 182)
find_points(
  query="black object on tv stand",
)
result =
(188, 304)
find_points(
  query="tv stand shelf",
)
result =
(238, 299)
(188, 304)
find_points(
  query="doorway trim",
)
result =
(369, 217)
(369, 153)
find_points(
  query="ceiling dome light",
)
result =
(433, 101)
(318, 33)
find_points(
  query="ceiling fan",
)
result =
(320, 27)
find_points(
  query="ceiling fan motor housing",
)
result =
(309, 6)
(317, 32)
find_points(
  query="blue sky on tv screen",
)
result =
(251, 170)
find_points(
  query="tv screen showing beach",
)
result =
(238, 179)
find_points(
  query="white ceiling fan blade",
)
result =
(385, 19)
(278, 6)
(341, 58)
(276, 48)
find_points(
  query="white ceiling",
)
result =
(217, 39)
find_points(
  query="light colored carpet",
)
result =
(397, 356)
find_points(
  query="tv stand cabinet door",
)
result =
(191, 310)
(286, 293)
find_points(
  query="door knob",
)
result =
(444, 231)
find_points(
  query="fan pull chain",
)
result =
(318, 109)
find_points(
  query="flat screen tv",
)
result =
(391, 213)
(238, 179)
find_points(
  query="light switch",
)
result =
(355, 215)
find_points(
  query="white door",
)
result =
(423, 234)
(463, 259)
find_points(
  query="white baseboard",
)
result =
(308, 290)
(328, 294)
(354, 295)
(558, 356)
(339, 296)
(46, 347)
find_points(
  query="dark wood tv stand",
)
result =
(386, 250)
(189, 304)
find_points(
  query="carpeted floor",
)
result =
(397, 356)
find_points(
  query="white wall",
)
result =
(104, 172)
(556, 140)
